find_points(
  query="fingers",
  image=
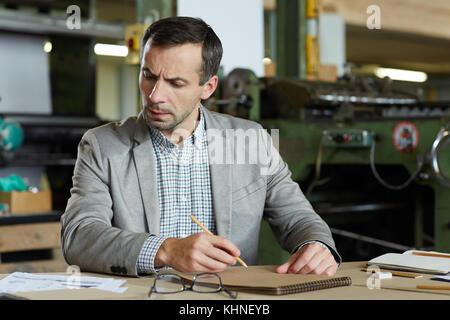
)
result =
(331, 270)
(204, 263)
(204, 253)
(327, 266)
(311, 259)
(220, 255)
(226, 245)
(219, 252)
(285, 266)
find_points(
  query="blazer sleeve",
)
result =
(88, 238)
(289, 213)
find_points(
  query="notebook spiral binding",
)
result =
(316, 285)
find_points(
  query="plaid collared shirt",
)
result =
(184, 189)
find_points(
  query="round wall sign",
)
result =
(405, 136)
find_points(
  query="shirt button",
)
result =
(183, 198)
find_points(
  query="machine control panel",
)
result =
(347, 138)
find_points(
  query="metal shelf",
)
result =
(19, 21)
(23, 218)
(37, 162)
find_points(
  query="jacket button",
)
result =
(117, 269)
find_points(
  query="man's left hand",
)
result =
(312, 258)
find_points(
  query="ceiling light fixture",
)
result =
(110, 50)
(401, 75)
(48, 47)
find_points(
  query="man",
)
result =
(137, 182)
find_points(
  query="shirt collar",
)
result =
(196, 138)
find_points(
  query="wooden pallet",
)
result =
(28, 237)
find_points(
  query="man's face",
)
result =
(169, 83)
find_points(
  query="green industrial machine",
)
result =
(374, 162)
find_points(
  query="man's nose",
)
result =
(158, 94)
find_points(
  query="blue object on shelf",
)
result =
(12, 182)
(11, 135)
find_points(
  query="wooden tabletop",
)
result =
(396, 288)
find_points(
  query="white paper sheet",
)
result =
(27, 282)
(412, 263)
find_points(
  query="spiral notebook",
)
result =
(264, 280)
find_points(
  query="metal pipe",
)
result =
(379, 242)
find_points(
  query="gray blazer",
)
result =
(114, 202)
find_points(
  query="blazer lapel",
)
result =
(144, 161)
(220, 172)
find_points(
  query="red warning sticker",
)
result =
(405, 136)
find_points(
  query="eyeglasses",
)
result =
(205, 282)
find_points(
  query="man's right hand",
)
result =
(199, 252)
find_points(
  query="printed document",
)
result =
(27, 282)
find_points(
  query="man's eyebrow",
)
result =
(147, 69)
(169, 79)
(178, 79)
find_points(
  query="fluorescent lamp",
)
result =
(110, 50)
(402, 75)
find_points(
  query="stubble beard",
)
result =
(162, 125)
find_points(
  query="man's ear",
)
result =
(209, 87)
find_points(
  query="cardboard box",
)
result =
(27, 201)
(327, 73)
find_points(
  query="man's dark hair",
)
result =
(181, 30)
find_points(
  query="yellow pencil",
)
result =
(395, 273)
(209, 232)
(429, 254)
(433, 287)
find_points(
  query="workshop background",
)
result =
(359, 90)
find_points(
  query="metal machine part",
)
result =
(351, 99)
(342, 138)
(328, 133)
(237, 93)
(440, 156)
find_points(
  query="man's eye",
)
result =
(177, 85)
